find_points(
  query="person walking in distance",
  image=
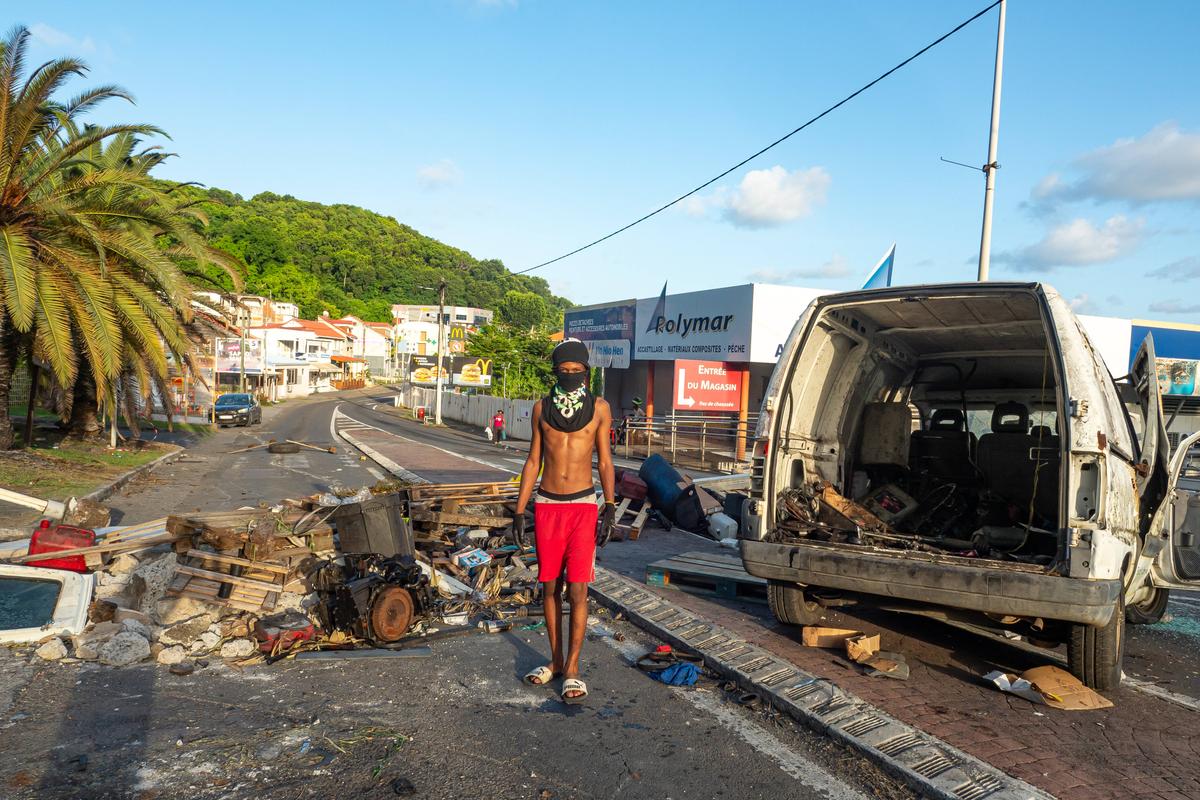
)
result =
(497, 427)
(569, 425)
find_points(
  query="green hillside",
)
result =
(348, 260)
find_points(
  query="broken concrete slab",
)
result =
(186, 632)
(175, 654)
(238, 648)
(123, 564)
(141, 629)
(150, 580)
(52, 650)
(170, 610)
(124, 649)
(121, 614)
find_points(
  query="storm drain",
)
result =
(925, 761)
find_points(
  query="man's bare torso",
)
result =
(567, 457)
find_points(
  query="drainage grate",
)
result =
(777, 677)
(754, 664)
(695, 630)
(898, 744)
(934, 765)
(827, 707)
(865, 725)
(679, 623)
(978, 788)
(802, 690)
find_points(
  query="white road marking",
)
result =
(793, 764)
(1161, 693)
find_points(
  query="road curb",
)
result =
(925, 762)
(105, 492)
(378, 457)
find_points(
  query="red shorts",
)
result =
(566, 540)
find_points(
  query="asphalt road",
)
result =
(458, 724)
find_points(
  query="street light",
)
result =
(437, 401)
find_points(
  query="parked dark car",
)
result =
(238, 409)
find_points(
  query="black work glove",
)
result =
(518, 530)
(606, 523)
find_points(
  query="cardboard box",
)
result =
(817, 636)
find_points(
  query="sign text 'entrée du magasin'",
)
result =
(707, 386)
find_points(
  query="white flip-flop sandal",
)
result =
(539, 676)
(574, 685)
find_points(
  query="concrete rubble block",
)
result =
(124, 649)
(141, 629)
(205, 642)
(52, 650)
(170, 610)
(238, 648)
(172, 655)
(291, 601)
(150, 580)
(123, 564)
(122, 614)
(186, 632)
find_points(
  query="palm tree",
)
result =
(82, 276)
(152, 293)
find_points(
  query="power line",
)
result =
(775, 143)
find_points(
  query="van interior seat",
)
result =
(944, 449)
(1006, 462)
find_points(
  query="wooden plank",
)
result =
(244, 562)
(476, 520)
(635, 527)
(217, 576)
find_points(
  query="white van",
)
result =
(962, 451)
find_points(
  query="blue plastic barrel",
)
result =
(662, 481)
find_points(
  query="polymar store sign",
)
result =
(713, 324)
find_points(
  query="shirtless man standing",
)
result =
(569, 425)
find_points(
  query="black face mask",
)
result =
(570, 381)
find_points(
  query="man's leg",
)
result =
(552, 603)
(579, 614)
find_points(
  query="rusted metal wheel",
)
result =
(391, 614)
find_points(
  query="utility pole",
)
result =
(441, 346)
(242, 351)
(989, 169)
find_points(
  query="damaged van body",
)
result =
(963, 451)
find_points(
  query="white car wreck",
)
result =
(962, 451)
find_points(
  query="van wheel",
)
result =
(1150, 610)
(790, 606)
(1094, 654)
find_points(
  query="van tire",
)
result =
(790, 606)
(1094, 655)
(283, 448)
(1150, 611)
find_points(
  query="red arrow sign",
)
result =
(707, 386)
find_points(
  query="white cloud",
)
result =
(1183, 269)
(836, 267)
(766, 198)
(60, 40)
(1162, 165)
(1174, 307)
(439, 174)
(1083, 304)
(1077, 243)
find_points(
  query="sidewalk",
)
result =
(1143, 747)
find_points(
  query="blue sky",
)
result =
(522, 129)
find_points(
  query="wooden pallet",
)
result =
(708, 573)
(203, 578)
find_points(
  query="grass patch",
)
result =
(56, 469)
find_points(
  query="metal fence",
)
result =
(693, 440)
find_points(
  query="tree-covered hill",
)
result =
(348, 260)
